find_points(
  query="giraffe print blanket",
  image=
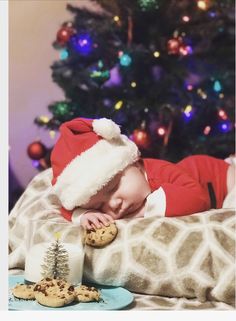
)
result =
(168, 263)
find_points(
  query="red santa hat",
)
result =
(87, 155)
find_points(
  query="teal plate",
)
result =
(113, 298)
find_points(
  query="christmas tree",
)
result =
(163, 70)
(56, 261)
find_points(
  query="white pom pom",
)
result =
(106, 128)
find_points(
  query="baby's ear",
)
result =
(139, 164)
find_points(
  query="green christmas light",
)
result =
(100, 64)
(148, 4)
(61, 109)
(100, 74)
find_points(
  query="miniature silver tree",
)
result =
(56, 261)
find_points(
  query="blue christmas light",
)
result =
(217, 86)
(225, 126)
(125, 60)
(82, 43)
(64, 54)
(212, 14)
(188, 116)
(188, 113)
(35, 163)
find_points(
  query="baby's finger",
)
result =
(95, 222)
(87, 226)
(109, 218)
(104, 220)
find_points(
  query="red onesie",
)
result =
(185, 188)
(190, 186)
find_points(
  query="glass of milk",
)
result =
(54, 249)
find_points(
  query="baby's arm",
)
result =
(94, 219)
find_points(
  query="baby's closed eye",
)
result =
(113, 187)
(98, 206)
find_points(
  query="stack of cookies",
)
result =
(55, 293)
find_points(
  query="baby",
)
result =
(99, 177)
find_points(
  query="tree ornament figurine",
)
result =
(64, 34)
(36, 150)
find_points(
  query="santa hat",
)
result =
(87, 155)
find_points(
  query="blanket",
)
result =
(168, 263)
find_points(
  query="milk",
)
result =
(35, 258)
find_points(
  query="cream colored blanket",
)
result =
(168, 263)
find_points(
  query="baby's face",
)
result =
(124, 195)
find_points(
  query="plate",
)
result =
(113, 298)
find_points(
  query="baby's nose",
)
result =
(115, 204)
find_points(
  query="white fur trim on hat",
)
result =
(106, 128)
(88, 172)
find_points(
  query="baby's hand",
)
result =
(94, 219)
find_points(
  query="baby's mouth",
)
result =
(135, 208)
(123, 212)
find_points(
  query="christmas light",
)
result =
(107, 102)
(141, 138)
(44, 119)
(125, 60)
(116, 18)
(133, 84)
(173, 45)
(202, 93)
(156, 54)
(217, 86)
(61, 109)
(189, 49)
(185, 50)
(82, 44)
(202, 5)
(63, 54)
(190, 87)
(207, 130)
(185, 18)
(221, 95)
(120, 53)
(212, 14)
(161, 131)
(35, 163)
(100, 64)
(188, 109)
(225, 126)
(52, 134)
(148, 4)
(222, 114)
(188, 112)
(118, 105)
(100, 74)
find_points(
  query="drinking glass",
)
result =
(54, 249)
